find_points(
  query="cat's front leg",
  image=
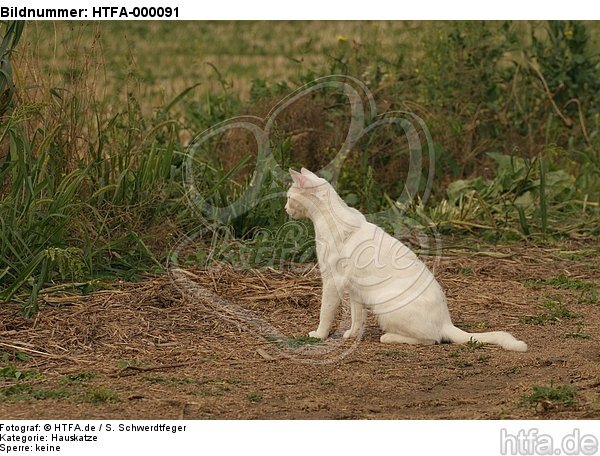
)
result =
(357, 313)
(329, 304)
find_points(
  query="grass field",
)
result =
(96, 120)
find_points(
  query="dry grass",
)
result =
(161, 59)
(171, 356)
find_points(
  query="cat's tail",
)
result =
(504, 339)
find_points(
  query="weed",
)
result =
(254, 396)
(580, 255)
(10, 372)
(466, 271)
(24, 392)
(555, 311)
(483, 359)
(80, 377)
(562, 282)
(592, 297)
(471, 345)
(580, 333)
(59, 393)
(124, 363)
(16, 392)
(14, 356)
(101, 395)
(563, 395)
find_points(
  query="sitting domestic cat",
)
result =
(378, 271)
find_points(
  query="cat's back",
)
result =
(370, 245)
(384, 271)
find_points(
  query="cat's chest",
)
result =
(338, 254)
(368, 250)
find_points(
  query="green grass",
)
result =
(467, 350)
(124, 363)
(579, 333)
(59, 393)
(589, 291)
(80, 377)
(16, 393)
(592, 297)
(294, 342)
(471, 345)
(563, 282)
(254, 397)
(581, 254)
(92, 162)
(11, 372)
(22, 392)
(483, 359)
(466, 271)
(101, 395)
(560, 395)
(554, 311)
(14, 356)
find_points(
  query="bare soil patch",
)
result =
(146, 351)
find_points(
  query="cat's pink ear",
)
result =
(300, 180)
(306, 172)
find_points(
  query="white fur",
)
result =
(379, 272)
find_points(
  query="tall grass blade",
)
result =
(543, 201)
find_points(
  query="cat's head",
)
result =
(306, 185)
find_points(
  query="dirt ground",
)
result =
(150, 350)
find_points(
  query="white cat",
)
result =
(378, 271)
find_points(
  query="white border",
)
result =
(349, 9)
(290, 438)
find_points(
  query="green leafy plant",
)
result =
(10, 372)
(561, 395)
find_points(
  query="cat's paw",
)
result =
(348, 334)
(317, 335)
